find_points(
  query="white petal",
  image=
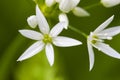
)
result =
(65, 6)
(78, 11)
(110, 3)
(75, 3)
(32, 21)
(104, 24)
(107, 50)
(91, 55)
(63, 18)
(42, 22)
(110, 31)
(31, 34)
(32, 50)
(57, 29)
(49, 3)
(65, 41)
(58, 1)
(50, 53)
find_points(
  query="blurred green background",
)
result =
(70, 63)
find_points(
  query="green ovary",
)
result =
(94, 39)
(47, 39)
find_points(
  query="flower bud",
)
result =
(78, 11)
(32, 21)
(63, 18)
(49, 3)
(110, 3)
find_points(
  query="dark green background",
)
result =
(70, 63)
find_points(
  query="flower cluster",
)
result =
(46, 38)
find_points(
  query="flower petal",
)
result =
(63, 18)
(57, 29)
(49, 3)
(42, 22)
(32, 21)
(50, 53)
(65, 41)
(31, 34)
(107, 50)
(110, 31)
(32, 50)
(58, 1)
(104, 24)
(110, 3)
(78, 11)
(91, 55)
(75, 3)
(65, 6)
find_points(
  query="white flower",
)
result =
(71, 5)
(68, 5)
(96, 39)
(46, 38)
(110, 3)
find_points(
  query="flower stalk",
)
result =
(78, 31)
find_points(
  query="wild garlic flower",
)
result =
(71, 5)
(68, 5)
(46, 38)
(96, 39)
(110, 3)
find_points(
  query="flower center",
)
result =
(47, 38)
(95, 39)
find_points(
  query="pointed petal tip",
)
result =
(20, 31)
(80, 43)
(91, 55)
(112, 16)
(34, 35)
(104, 24)
(90, 69)
(51, 64)
(50, 53)
(19, 59)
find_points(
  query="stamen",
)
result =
(109, 38)
(95, 38)
(47, 39)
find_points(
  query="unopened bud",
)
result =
(110, 3)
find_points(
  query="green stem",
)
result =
(78, 31)
(91, 6)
